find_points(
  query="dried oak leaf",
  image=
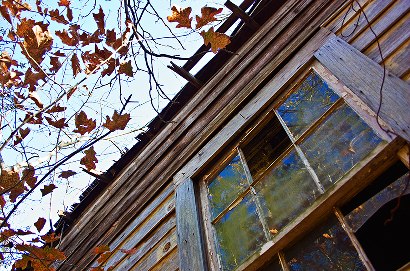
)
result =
(47, 189)
(33, 95)
(56, 108)
(75, 65)
(34, 119)
(89, 160)
(180, 16)
(126, 68)
(40, 223)
(29, 177)
(57, 17)
(69, 39)
(22, 134)
(31, 79)
(69, 14)
(17, 190)
(60, 124)
(55, 64)
(83, 124)
(217, 40)
(38, 258)
(71, 92)
(208, 16)
(67, 174)
(50, 238)
(99, 19)
(118, 122)
(5, 13)
(8, 179)
(2, 201)
(101, 249)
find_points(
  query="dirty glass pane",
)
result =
(224, 189)
(285, 192)
(338, 144)
(326, 248)
(239, 233)
(272, 265)
(266, 147)
(306, 104)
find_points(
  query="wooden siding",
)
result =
(153, 234)
(389, 20)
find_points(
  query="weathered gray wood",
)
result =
(241, 14)
(364, 77)
(190, 244)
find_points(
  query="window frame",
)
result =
(255, 113)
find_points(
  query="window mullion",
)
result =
(253, 192)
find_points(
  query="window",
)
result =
(309, 141)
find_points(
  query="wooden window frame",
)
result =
(196, 247)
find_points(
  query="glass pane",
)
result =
(224, 189)
(338, 144)
(285, 192)
(239, 233)
(306, 104)
(327, 248)
(265, 147)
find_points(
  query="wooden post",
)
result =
(241, 14)
(190, 245)
(186, 75)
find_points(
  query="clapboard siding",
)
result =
(148, 233)
(389, 20)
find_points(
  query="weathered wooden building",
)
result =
(287, 151)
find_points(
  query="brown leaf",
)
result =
(38, 119)
(75, 64)
(40, 224)
(47, 189)
(66, 38)
(60, 124)
(217, 40)
(5, 13)
(83, 124)
(50, 238)
(67, 174)
(129, 251)
(181, 17)
(56, 108)
(55, 64)
(118, 122)
(32, 79)
(104, 257)
(126, 68)
(101, 249)
(22, 134)
(208, 16)
(8, 179)
(16, 191)
(28, 176)
(57, 17)
(64, 3)
(89, 160)
(99, 19)
(2, 201)
(69, 14)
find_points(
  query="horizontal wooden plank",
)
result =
(169, 263)
(144, 248)
(384, 23)
(159, 252)
(364, 77)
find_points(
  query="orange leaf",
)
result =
(60, 124)
(66, 174)
(47, 189)
(69, 14)
(208, 16)
(55, 16)
(89, 160)
(126, 68)
(103, 257)
(83, 124)
(181, 17)
(326, 235)
(40, 224)
(217, 40)
(28, 176)
(8, 179)
(99, 19)
(118, 122)
(64, 3)
(66, 38)
(101, 249)
(50, 238)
